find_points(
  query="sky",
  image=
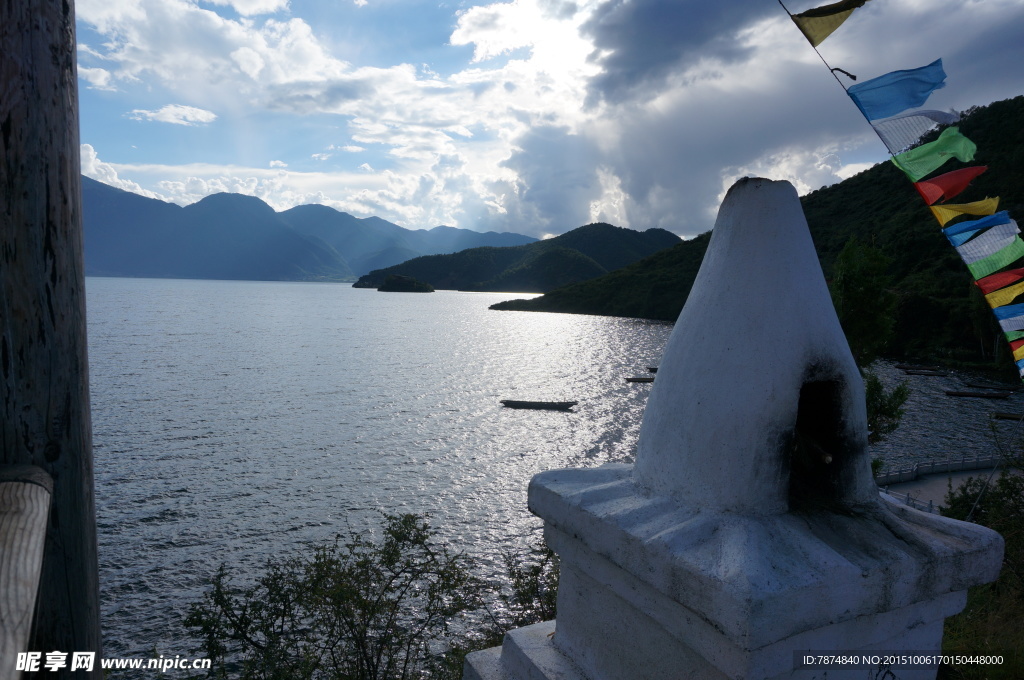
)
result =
(531, 116)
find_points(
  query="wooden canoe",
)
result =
(545, 405)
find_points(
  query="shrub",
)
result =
(358, 610)
(990, 624)
(884, 407)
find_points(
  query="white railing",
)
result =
(907, 499)
(909, 474)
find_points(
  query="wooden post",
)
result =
(24, 506)
(44, 386)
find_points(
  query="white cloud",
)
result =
(98, 78)
(321, 156)
(496, 29)
(278, 164)
(252, 7)
(366, 167)
(806, 169)
(280, 188)
(96, 169)
(249, 61)
(352, 148)
(175, 114)
(195, 51)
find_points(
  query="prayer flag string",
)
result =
(990, 247)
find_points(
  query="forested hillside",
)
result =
(578, 255)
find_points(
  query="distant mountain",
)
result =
(372, 243)
(224, 236)
(940, 312)
(232, 236)
(578, 255)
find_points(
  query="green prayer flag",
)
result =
(926, 158)
(998, 260)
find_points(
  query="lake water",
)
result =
(236, 420)
(233, 421)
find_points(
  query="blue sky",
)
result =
(533, 116)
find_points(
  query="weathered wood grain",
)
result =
(24, 506)
(44, 393)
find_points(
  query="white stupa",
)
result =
(750, 532)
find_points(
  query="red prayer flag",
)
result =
(1016, 344)
(948, 185)
(1000, 280)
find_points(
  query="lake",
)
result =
(238, 420)
(234, 421)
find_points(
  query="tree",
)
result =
(864, 303)
(885, 407)
(991, 621)
(866, 308)
(358, 610)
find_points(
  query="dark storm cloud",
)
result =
(639, 42)
(991, 67)
(558, 178)
(673, 160)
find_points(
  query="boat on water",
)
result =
(982, 395)
(545, 405)
(917, 367)
(641, 379)
(1003, 387)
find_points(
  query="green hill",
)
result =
(583, 253)
(940, 312)
(404, 284)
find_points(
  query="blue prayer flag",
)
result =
(898, 91)
(1009, 311)
(963, 231)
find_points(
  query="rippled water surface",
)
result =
(940, 427)
(236, 420)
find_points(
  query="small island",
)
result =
(404, 284)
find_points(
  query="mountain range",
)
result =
(578, 255)
(233, 236)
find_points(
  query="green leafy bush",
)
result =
(354, 610)
(885, 407)
(990, 624)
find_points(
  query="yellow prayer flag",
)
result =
(944, 213)
(818, 23)
(1018, 354)
(1004, 296)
